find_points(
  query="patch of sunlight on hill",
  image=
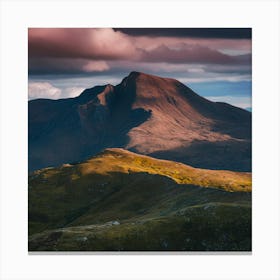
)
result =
(120, 160)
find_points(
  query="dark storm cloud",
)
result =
(222, 33)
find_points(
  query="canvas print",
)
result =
(139, 139)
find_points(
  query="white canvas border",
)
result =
(17, 16)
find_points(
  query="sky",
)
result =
(214, 62)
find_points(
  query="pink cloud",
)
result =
(240, 45)
(189, 54)
(92, 50)
(105, 43)
(95, 66)
(79, 43)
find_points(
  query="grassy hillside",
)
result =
(120, 200)
(122, 161)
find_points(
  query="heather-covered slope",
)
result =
(119, 200)
(146, 114)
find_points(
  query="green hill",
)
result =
(119, 200)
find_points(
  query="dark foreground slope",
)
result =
(146, 114)
(119, 200)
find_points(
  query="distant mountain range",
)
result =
(146, 114)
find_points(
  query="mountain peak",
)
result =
(137, 78)
(133, 76)
(147, 114)
(136, 74)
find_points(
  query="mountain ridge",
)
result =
(119, 200)
(147, 114)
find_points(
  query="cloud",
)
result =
(89, 49)
(42, 90)
(229, 46)
(230, 69)
(86, 43)
(47, 90)
(95, 66)
(237, 33)
(51, 65)
(106, 55)
(238, 101)
(213, 78)
(71, 92)
(186, 73)
(191, 54)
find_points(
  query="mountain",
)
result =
(119, 200)
(146, 114)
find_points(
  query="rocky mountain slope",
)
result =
(146, 114)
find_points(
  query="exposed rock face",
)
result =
(145, 114)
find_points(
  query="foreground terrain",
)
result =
(119, 200)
